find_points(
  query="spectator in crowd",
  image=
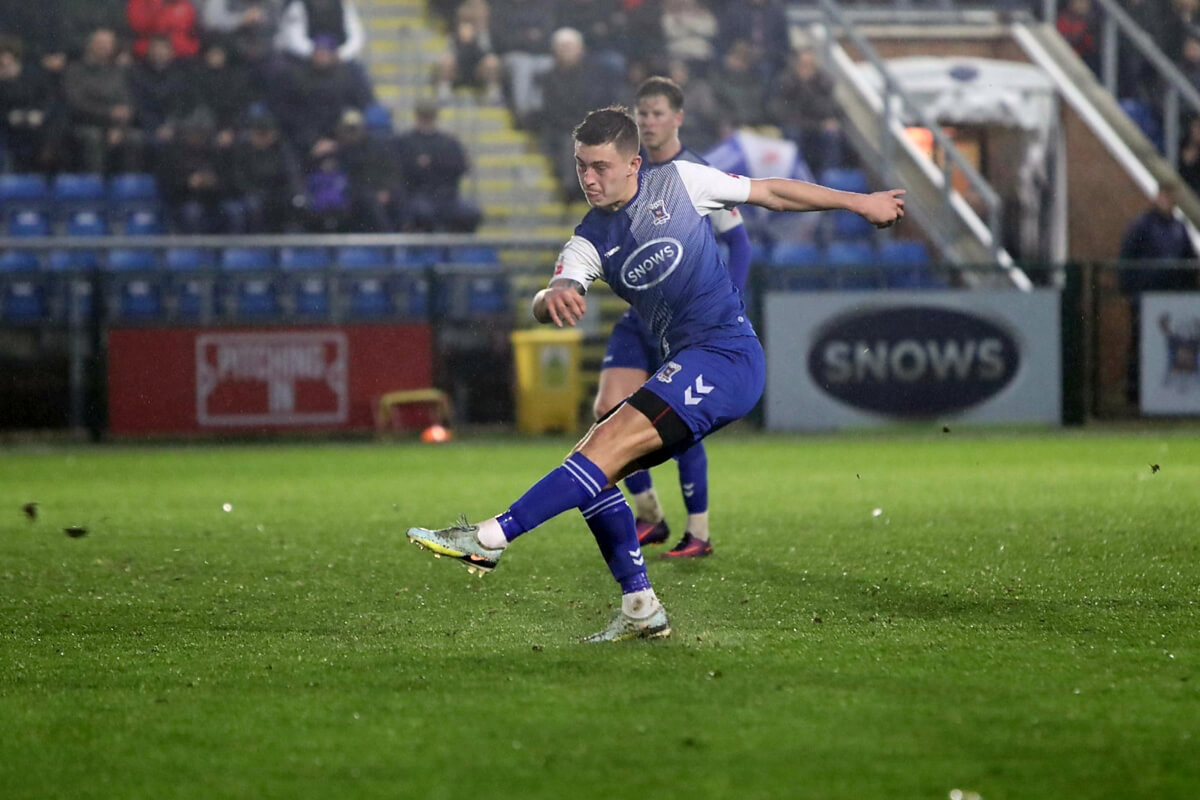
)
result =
(643, 34)
(1184, 17)
(603, 27)
(1077, 24)
(267, 177)
(571, 88)
(802, 105)
(194, 176)
(225, 87)
(327, 194)
(1138, 79)
(25, 110)
(100, 109)
(370, 166)
(470, 61)
(1189, 64)
(56, 31)
(303, 22)
(432, 163)
(689, 32)
(252, 18)
(1156, 235)
(763, 25)
(317, 91)
(701, 129)
(738, 90)
(521, 38)
(1189, 153)
(174, 19)
(162, 89)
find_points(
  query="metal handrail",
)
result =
(273, 240)
(1117, 20)
(892, 89)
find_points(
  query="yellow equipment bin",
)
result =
(548, 385)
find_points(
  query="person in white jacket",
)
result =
(302, 21)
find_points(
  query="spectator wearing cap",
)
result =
(370, 166)
(267, 176)
(194, 175)
(303, 21)
(175, 19)
(316, 93)
(432, 163)
(100, 109)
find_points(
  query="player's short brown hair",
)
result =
(659, 86)
(613, 124)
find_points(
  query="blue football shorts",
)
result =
(632, 345)
(711, 385)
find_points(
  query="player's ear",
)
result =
(634, 165)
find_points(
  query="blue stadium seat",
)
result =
(183, 258)
(904, 262)
(369, 297)
(360, 257)
(125, 259)
(855, 265)
(788, 254)
(28, 222)
(417, 257)
(256, 297)
(23, 302)
(247, 258)
(81, 191)
(129, 191)
(1145, 118)
(848, 225)
(87, 223)
(846, 179)
(474, 255)
(312, 297)
(23, 189)
(143, 222)
(487, 295)
(378, 119)
(18, 261)
(304, 258)
(63, 260)
(140, 299)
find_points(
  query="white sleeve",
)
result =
(578, 261)
(356, 38)
(711, 189)
(725, 220)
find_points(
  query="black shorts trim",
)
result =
(673, 431)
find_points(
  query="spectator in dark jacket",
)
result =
(25, 112)
(162, 90)
(267, 178)
(432, 163)
(802, 105)
(738, 88)
(225, 87)
(1077, 24)
(763, 26)
(370, 164)
(100, 108)
(195, 179)
(319, 90)
(175, 19)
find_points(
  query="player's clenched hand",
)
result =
(883, 209)
(562, 304)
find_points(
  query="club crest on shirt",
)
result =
(668, 371)
(659, 211)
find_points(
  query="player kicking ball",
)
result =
(647, 236)
(634, 352)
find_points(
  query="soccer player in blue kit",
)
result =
(634, 352)
(647, 236)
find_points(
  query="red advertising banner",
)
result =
(241, 380)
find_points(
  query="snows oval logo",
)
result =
(915, 361)
(651, 263)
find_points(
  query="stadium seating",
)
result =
(791, 254)
(247, 258)
(304, 258)
(131, 191)
(369, 297)
(18, 261)
(360, 257)
(193, 293)
(22, 190)
(474, 255)
(845, 179)
(847, 225)
(87, 223)
(487, 295)
(143, 222)
(854, 265)
(311, 292)
(905, 263)
(28, 222)
(23, 301)
(71, 192)
(127, 259)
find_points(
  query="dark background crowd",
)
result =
(254, 116)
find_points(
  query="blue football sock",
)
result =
(639, 482)
(611, 522)
(693, 478)
(572, 485)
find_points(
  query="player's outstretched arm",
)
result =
(562, 302)
(881, 209)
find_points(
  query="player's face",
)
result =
(657, 122)
(606, 177)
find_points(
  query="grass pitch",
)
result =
(1017, 620)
